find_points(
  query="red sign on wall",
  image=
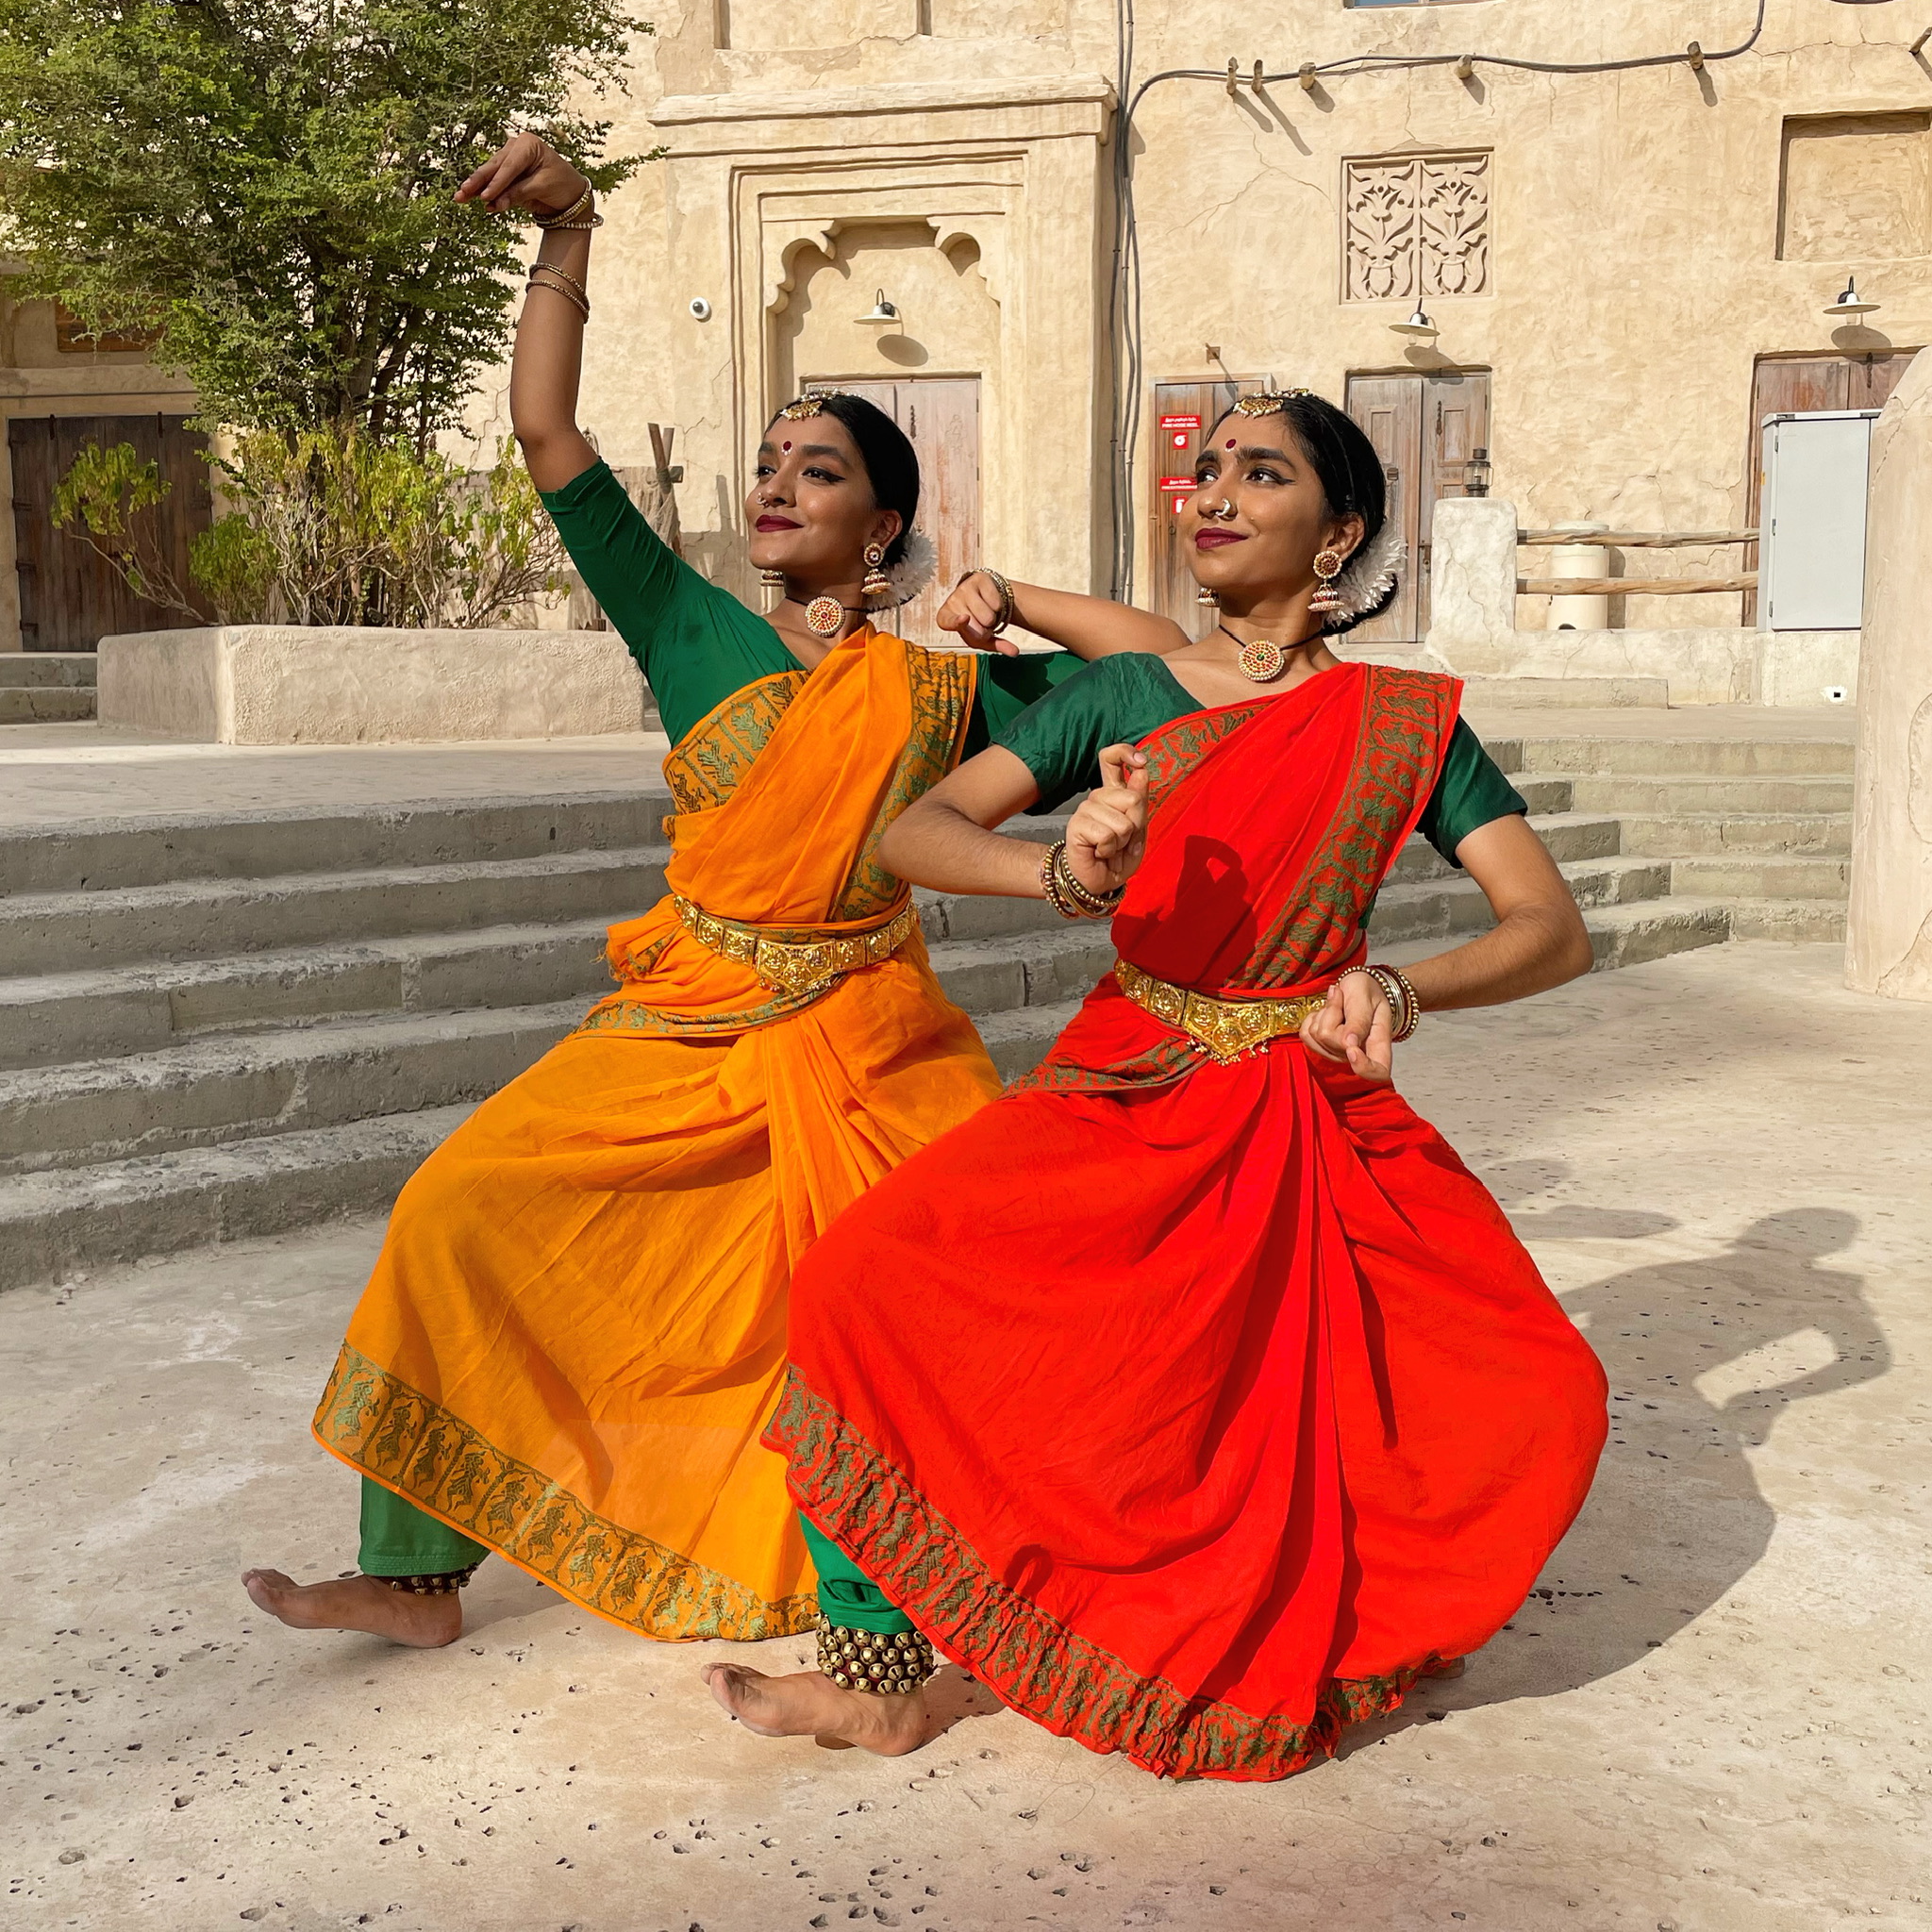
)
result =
(1179, 430)
(1177, 489)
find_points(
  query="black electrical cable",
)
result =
(1124, 305)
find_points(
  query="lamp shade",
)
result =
(882, 311)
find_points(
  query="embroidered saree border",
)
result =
(1031, 1660)
(1398, 751)
(704, 767)
(943, 684)
(396, 1435)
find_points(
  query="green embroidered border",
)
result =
(408, 1443)
(1164, 1063)
(706, 766)
(624, 1012)
(1403, 735)
(943, 684)
(1030, 1659)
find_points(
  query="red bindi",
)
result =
(787, 445)
(1230, 444)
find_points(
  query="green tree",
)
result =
(267, 184)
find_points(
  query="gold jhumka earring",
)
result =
(876, 582)
(1327, 600)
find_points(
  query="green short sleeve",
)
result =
(1115, 700)
(1470, 792)
(694, 642)
(1006, 686)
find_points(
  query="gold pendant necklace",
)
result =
(1262, 660)
(825, 617)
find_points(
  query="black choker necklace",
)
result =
(1262, 660)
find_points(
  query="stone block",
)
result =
(1889, 945)
(328, 684)
(1473, 581)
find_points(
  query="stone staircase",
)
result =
(46, 687)
(219, 1026)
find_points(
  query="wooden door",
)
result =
(1184, 412)
(940, 415)
(71, 596)
(1424, 428)
(1804, 385)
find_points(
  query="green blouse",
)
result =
(1119, 700)
(696, 643)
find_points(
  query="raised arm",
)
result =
(546, 367)
(1088, 626)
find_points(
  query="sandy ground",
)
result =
(1713, 1713)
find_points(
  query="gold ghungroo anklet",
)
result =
(444, 1583)
(867, 1660)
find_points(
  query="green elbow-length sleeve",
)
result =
(1004, 688)
(694, 642)
(1471, 791)
(1115, 700)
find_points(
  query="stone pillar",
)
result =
(1473, 583)
(1889, 935)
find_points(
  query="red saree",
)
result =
(1197, 1407)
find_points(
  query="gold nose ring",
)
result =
(1227, 508)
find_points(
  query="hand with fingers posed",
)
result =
(974, 613)
(1356, 1025)
(1107, 836)
(528, 173)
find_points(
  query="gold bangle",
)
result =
(1006, 590)
(1050, 883)
(580, 303)
(570, 217)
(550, 268)
(1090, 905)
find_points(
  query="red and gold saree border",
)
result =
(1031, 1660)
(399, 1437)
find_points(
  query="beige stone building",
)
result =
(1626, 269)
(1622, 271)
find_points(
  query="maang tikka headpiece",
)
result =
(1268, 401)
(812, 405)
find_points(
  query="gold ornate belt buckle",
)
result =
(795, 963)
(1222, 1029)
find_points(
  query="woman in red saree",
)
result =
(1194, 1396)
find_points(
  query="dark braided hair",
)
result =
(1350, 473)
(884, 448)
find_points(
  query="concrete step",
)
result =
(1802, 921)
(1454, 907)
(1703, 757)
(1633, 935)
(1744, 876)
(55, 1019)
(1566, 693)
(56, 1224)
(102, 854)
(1704, 797)
(1018, 1040)
(45, 705)
(1567, 835)
(1033, 969)
(204, 1092)
(31, 670)
(1544, 796)
(57, 932)
(1710, 835)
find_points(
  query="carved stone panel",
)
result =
(1416, 227)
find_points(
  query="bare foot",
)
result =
(811, 1706)
(357, 1603)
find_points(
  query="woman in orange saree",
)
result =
(1247, 1407)
(575, 1331)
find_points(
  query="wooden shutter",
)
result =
(940, 417)
(71, 597)
(1389, 410)
(1184, 412)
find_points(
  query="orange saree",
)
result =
(575, 1331)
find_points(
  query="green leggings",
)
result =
(847, 1596)
(399, 1539)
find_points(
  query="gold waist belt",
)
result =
(796, 960)
(1225, 1030)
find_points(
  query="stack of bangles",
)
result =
(1401, 998)
(1067, 895)
(565, 285)
(1005, 589)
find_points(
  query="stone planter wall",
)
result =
(290, 683)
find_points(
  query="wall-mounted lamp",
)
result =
(1476, 472)
(882, 311)
(1850, 305)
(1418, 327)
